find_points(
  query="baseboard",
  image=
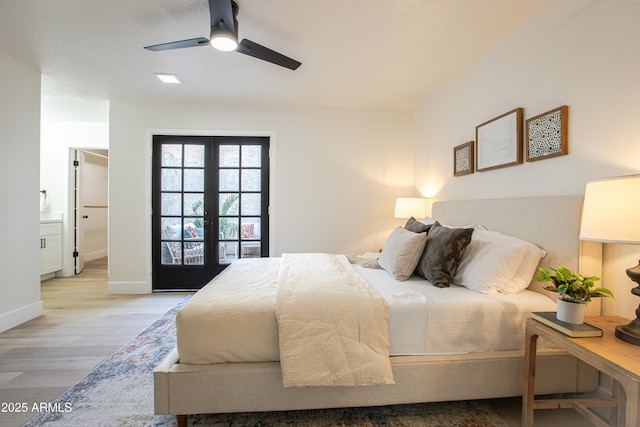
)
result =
(21, 315)
(90, 256)
(129, 288)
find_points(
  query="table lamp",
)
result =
(611, 214)
(407, 207)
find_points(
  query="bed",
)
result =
(251, 379)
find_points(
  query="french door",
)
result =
(210, 201)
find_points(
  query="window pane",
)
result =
(194, 180)
(228, 228)
(171, 155)
(194, 228)
(229, 156)
(171, 180)
(171, 229)
(251, 156)
(171, 253)
(228, 252)
(193, 204)
(229, 180)
(251, 179)
(229, 204)
(250, 204)
(171, 204)
(194, 155)
(193, 253)
(250, 250)
(250, 228)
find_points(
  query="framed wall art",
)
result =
(547, 134)
(499, 141)
(463, 159)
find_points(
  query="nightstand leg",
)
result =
(632, 392)
(529, 382)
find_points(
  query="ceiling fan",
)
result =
(224, 36)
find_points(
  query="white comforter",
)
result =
(233, 319)
(332, 324)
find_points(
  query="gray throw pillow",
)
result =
(401, 253)
(443, 253)
(417, 226)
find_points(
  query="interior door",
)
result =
(210, 206)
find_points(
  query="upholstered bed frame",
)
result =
(550, 222)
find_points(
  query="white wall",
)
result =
(57, 139)
(19, 192)
(334, 181)
(583, 54)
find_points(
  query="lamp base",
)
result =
(631, 331)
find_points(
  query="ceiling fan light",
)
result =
(222, 38)
(223, 42)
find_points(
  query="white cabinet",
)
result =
(50, 247)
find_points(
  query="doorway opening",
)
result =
(90, 176)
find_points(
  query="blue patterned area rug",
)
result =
(119, 392)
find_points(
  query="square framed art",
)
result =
(463, 160)
(499, 141)
(547, 134)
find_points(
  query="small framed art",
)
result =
(499, 141)
(547, 134)
(463, 159)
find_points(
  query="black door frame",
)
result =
(180, 277)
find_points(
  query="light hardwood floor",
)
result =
(82, 325)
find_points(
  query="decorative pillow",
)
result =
(417, 226)
(246, 231)
(173, 231)
(444, 249)
(489, 263)
(401, 252)
(190, 231)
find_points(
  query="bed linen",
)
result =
(332, 324)
(232, 319)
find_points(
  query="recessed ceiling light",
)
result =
(168, 78)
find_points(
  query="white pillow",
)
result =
(488, 263)
(495, 262)
(527, 268)
(401, 252)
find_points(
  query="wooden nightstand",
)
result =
(610, 355)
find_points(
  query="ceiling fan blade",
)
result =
(224, 10)
(200, 41)
(250, 48)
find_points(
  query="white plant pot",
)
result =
(570, 312)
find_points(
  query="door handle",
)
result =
(85, 216)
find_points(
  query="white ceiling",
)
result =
(354, 53)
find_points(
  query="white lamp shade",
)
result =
(407, 207)
(611, 210)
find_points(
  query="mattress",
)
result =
(232, 319)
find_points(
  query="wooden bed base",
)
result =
(550, 222)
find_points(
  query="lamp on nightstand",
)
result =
(407, 207)
(611, 214)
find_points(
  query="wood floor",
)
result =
(82, 325)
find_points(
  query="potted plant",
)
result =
(574, 290)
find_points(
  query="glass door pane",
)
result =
(182, 201)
